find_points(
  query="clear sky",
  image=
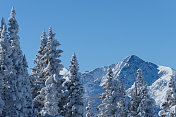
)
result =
(101, 32)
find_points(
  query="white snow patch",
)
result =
(160, 87)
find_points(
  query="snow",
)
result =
(160, 87)
(157, 77)
(64, 72)
(173, 109)
(19, 96)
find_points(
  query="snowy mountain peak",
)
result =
(132, 59)
(157, 78)
(128, 67)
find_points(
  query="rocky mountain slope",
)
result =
(157, 78)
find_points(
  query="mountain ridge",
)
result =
(157, 78)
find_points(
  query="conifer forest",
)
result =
(131, 88)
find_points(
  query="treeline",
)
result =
(46, 93)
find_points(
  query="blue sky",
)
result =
(101, 32)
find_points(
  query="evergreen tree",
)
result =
(27, 90)
(22, 90)
(147, 105)
(6, 87)
(37, 78)
(74, 106)
(10, 94)
(141, 104)
(112, 98)
(169, 106)
(51, 96)
(122, 109)
(51, 55)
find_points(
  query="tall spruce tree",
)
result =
(147, 105)
(51, 96)
(6, 83)
(27, 89)
(51, 55)
(23, 100)
(141, 104)
(74, 106)
(169, 106)
(37, 78)
(122, 107)
(112, 99)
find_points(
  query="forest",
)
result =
(45, 92)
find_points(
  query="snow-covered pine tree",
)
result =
(147, 105)
(37, 78)
(51, 96)
(27, 90)
(89, 111)
(22, 90)
(122, 109)
(141, 104)
(5, 72)
(169, 106)
(74, 106)
(10, 90)
(112, 98)
(51, 55)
